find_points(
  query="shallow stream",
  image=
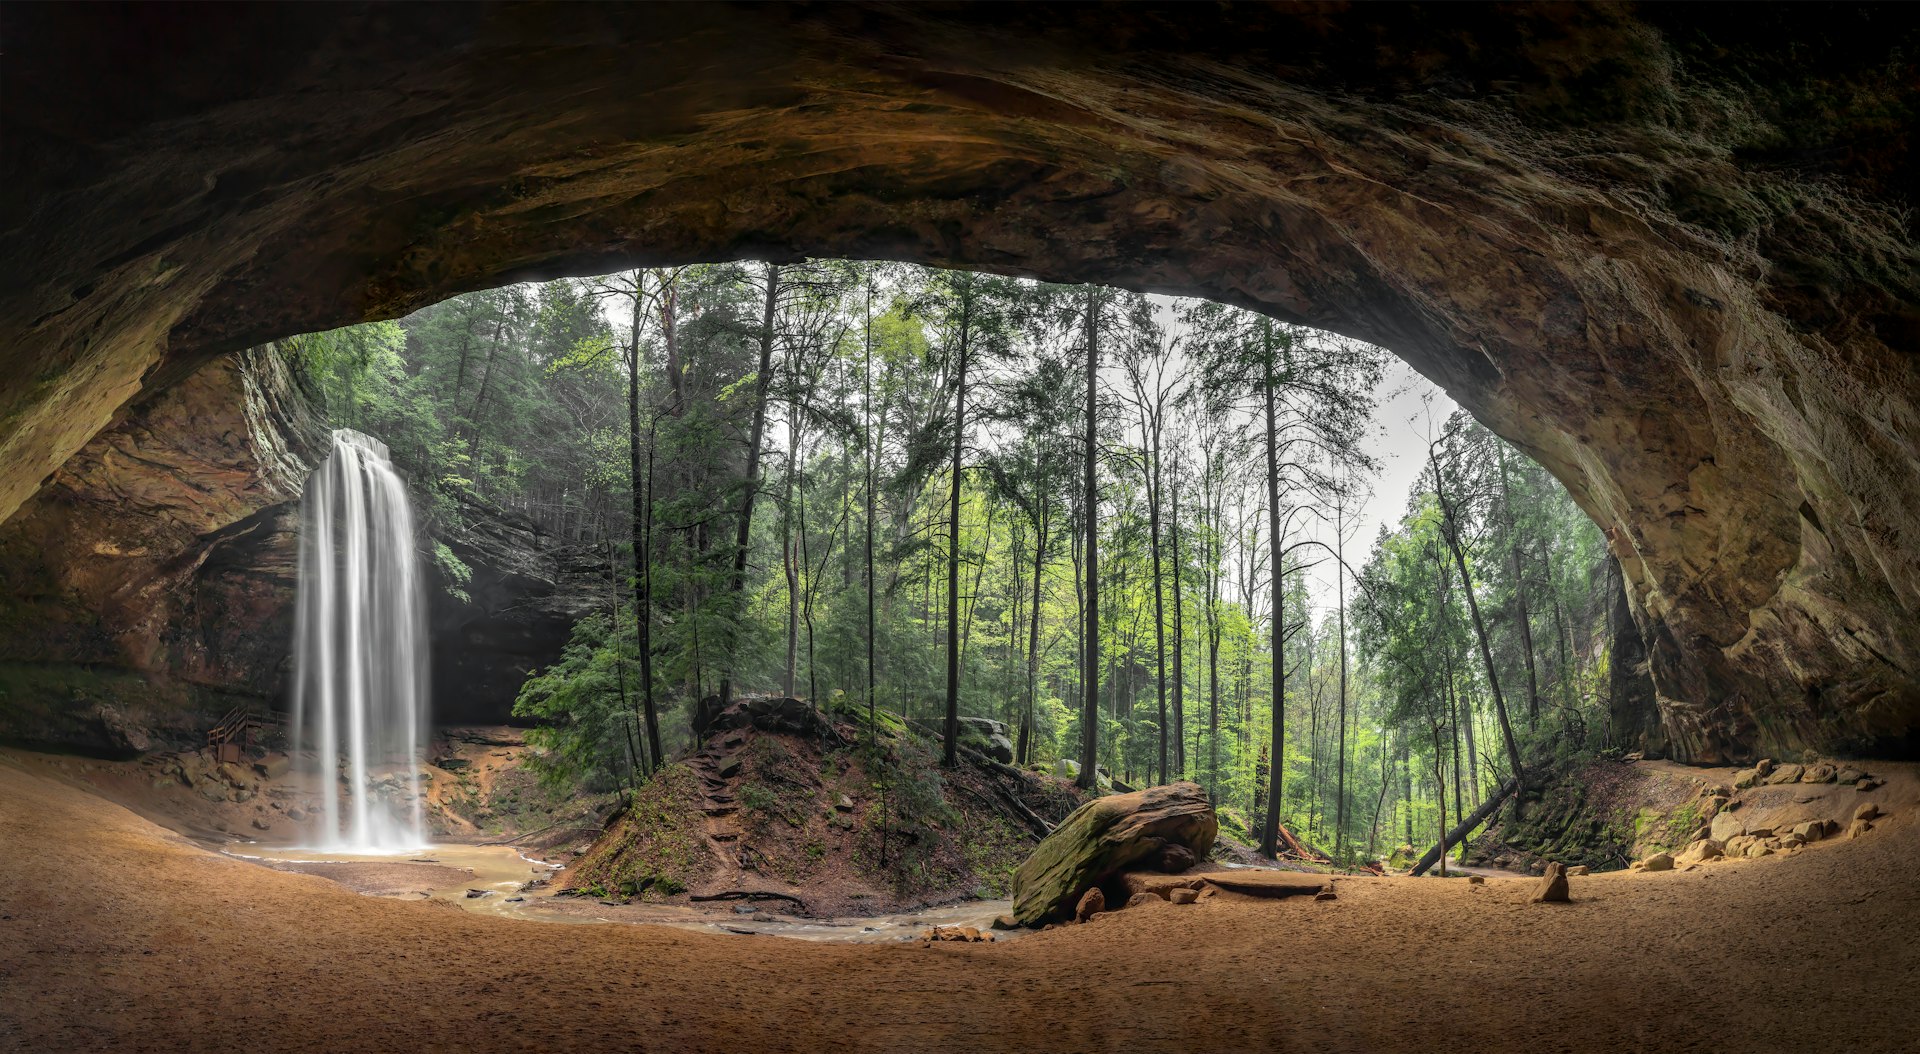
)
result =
(493, 880)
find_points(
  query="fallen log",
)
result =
(748, 894)
(1038, 825)
(1301, 850)
(1474, 819)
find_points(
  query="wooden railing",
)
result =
(233, 735)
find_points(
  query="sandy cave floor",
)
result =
(118, 935)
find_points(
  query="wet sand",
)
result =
(117, 935)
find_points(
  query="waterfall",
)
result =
(360, 651)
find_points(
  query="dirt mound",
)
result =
(820, 810)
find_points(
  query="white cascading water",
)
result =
(360, 651)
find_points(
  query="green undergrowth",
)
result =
(655, 848)
(1598, 812)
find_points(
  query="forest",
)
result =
(1095, 515)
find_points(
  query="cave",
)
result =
(1664, 262)
(1666, 251)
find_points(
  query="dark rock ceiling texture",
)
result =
(1666, 250)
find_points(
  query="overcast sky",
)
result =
(1398, 441)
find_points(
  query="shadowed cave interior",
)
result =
(583, 273)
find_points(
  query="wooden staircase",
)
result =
(232, 737)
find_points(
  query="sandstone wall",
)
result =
(1667, 250)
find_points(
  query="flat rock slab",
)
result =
(1136, 882)
(1267, 883)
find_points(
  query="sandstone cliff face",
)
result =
(166, 547)
(1665, 249)
(149, 586)
(523, 595)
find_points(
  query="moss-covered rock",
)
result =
(1105, 837)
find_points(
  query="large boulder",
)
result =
(768, 713)
(987, 736)
(1105, 837)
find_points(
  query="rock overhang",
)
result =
(1661, 252)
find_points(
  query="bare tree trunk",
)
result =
(1270, 835)
(744, 532)
(642, 531)
(1386, 777)
(1440, 795)
(951, 755)
(787, 562)
(1159, 606)
(1451, 529)
(1090, 703)
(870, 455)
(1340, 577)
(1033, 635)
(1179, 641)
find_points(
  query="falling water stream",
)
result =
(360, 651)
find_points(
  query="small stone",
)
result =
(1476, 880)
(1858, 828)
(1811, 831)
(1867, 811)
(1141, 898)
(1326, 894)
(1183, 896)
(1763, 767)
(476, 894)
(761, 916)
(1553, 887)
(1821, 773)
(1725, 826)
(845, 804)
(970, 933)
(296, 814)
(262, 825)
(1658, 862)
(1866, 783)
(515, 900)
(1005, 922)
(1578, 869)
(1848, 774)
(1092, 903)
(1747, 779)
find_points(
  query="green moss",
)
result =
(655, 850)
